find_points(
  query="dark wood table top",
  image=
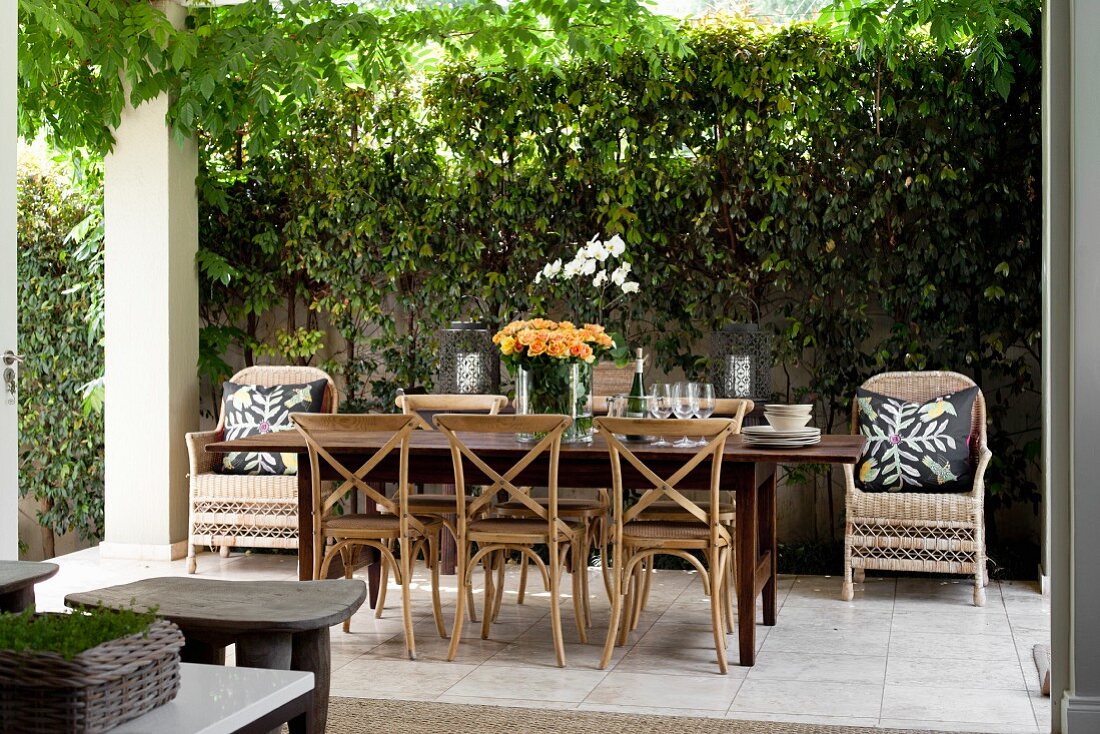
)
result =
(833, 449)
(235, 606)
(16, 575)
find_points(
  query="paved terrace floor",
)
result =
(907, 652)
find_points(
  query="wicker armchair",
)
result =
(230, 511)
(909, 531)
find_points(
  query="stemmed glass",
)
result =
(685, 401)
(704, 404)
(660, 406)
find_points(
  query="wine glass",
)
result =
(704, 404)
(685, 400)
(660, 406)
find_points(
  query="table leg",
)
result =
(312, 653)
(767, 540)
(305, 519)
(271, 650)
(18, 599)
(747, 556)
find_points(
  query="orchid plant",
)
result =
(604, 266)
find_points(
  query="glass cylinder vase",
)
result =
(556, 388)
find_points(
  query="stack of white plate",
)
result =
(768, 437)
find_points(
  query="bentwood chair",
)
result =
(349, 532)
(497, 536)
(737, 409)
(636, 539)
(438, 504)
(929, 532)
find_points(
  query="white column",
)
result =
(9, 441)
(151, 220)
(1072, 355)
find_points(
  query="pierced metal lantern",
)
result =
(741, 362)
(469, 362)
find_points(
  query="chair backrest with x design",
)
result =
(439, 403)
(319, 432)
(714, 430)
(550, 427)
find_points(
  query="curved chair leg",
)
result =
(501, 557)
(644, 573)
(578, 595)
(383, 583)
(490, 596)
(617, 602)
(433, 565)
(556, 562)
(347, 556)
(716, 604)
(522, 579)
(463, 574)
(406, 600)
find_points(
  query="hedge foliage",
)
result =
(877, 216)
(60, 275)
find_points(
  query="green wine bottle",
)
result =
(636, 406)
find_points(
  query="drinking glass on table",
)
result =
(660, 406)
(704, 405)
(685, 401)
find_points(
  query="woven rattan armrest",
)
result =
(202, 461)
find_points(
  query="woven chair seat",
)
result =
(914, 507)
(670, 510)
(662, 529)
(525, 530)
(244, 487)
(567, 508)
(388, 525)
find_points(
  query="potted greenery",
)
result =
(88, 671)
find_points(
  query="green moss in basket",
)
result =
(69, 634)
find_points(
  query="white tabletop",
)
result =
(218, 700)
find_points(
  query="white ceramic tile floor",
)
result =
(907, 653)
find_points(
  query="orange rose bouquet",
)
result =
(523, 342)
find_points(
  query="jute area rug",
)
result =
(369, 716)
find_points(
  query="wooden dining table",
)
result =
(748, 472)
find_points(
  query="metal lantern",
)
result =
(741, 362)
(469, 362)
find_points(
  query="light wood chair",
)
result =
(497, 536)
(931, 532)
(245, 511)
(438, 504)
(736, 408)
(349, 532)
(636, 539)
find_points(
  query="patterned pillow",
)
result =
(915, 447)
(251, 410)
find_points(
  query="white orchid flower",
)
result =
(630, 287)
(589, 267)
(552, 270)
(571, 269)
(619, 276)
(615, 246)
(598, 251)
(600, 279)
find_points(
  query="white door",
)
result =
(9, 471)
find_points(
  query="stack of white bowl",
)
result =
(788, 417)
(787, 427)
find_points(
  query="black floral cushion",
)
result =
(915, 447)
(251, 410)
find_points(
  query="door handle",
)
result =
(11, 358)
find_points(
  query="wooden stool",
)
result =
(281, 625)
(17, 580)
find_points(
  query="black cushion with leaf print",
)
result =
(252, 410)
(915, 447)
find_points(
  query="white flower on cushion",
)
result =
(615, 246)
(600, 279)
(619, 276)
(630, 287)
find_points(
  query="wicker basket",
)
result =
(43, 693)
